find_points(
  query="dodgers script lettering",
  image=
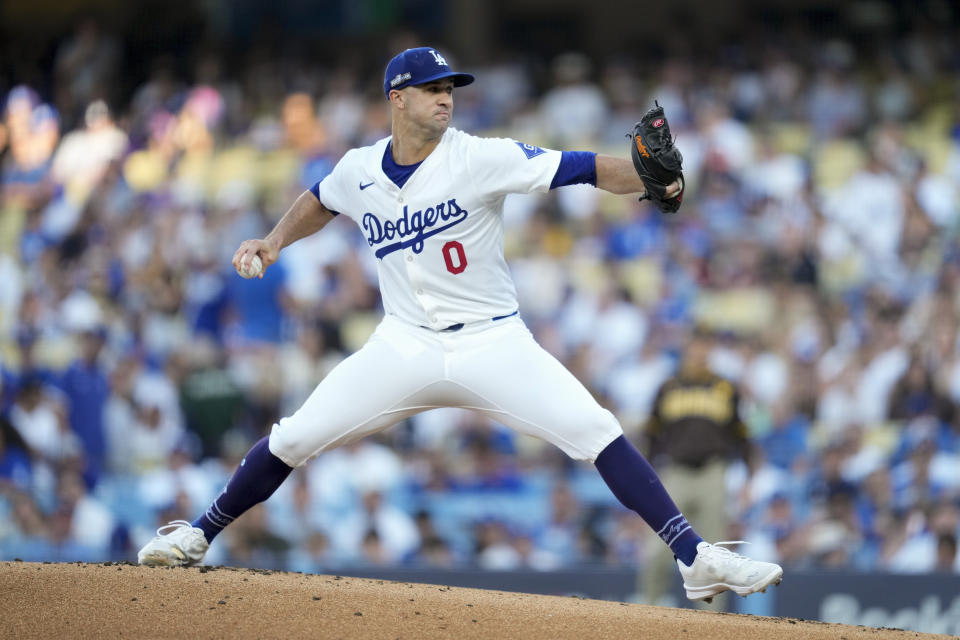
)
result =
(412, 228)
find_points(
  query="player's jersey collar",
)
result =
(398, 175)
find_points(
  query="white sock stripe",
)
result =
(217, 520)
(678, 534)
(667, 525)
(221, 513)
(217, 516)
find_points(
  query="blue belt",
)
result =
(460, 325)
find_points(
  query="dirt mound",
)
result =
(126, 601)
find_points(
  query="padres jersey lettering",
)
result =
(715, 403)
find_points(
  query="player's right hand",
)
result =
(267, 250)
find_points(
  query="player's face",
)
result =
(431, 105)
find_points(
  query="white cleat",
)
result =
(716, 569)
(185, 545)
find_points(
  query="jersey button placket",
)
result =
(414, 277)
(413, 274)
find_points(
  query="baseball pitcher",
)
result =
(429, 201)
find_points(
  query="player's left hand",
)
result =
(675, 188)
(658, 162)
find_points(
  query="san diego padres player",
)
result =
(429, 200)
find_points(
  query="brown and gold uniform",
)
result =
(693, 432)
(695, 421)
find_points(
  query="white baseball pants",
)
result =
(493, 367)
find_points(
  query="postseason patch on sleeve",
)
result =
(530, 150)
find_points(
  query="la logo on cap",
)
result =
(439, 58)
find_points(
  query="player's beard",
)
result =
(434, 127)
(438, 121)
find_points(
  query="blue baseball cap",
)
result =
(419, 66)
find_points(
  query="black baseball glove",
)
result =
(656, 159)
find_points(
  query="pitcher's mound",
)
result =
(126, 601)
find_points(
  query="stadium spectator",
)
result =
(85, 66)
(84, 155)
(15, 465)
(694, 431)
(89, 523)
(255, 544)
(40, 421)
(379, 533)
(434, 550)
(575, 108)
(86, 388)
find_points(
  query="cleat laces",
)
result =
(721, 550)
(173, 525)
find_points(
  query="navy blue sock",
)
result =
(255, 480)
(637, 486)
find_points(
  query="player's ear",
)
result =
(397, 98)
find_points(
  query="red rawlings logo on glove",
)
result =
(656, 124)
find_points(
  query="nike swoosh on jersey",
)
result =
(364, 186)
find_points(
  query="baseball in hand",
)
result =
(251, 269)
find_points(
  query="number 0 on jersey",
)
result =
(455, 257)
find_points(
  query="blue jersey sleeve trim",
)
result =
(315, 190)
(576, 167)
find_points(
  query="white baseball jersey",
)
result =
(439, 239)
(450, 337)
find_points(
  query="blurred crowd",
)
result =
(817, 244)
